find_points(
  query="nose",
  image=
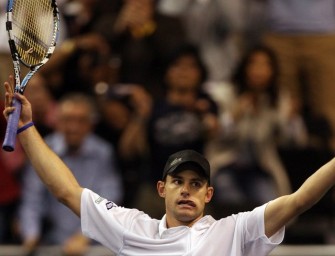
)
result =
(185, 190)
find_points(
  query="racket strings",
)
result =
(33, 24)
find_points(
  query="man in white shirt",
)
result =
(184, 230)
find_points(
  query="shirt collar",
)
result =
(162, 225)
(203, 223)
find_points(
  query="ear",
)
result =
(209, 194)
(161, 188)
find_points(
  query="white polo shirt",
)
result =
(132, 232)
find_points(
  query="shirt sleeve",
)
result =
(104, 221)
(256, 242)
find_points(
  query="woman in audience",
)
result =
(245, 156)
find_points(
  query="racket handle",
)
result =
(13, 121)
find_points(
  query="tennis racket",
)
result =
(32, 27)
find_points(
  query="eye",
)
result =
(196, 184)
(177, 181)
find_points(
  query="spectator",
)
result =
(83, 60)
(92, 161)
(185, 117)
(221, 29)
(142, 38)
(124, 110)
(245, 157)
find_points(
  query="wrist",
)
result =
(25, 127)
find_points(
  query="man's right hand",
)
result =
(26, 111)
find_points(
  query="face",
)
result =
(183, 79)
(75, 122)
(186, 195)
(138, 12)
(259, 70)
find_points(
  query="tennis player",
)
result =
(185, 187)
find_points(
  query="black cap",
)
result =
(180, 158)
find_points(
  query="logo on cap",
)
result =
(187, 159)
(175, 161)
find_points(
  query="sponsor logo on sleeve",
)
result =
(110, 205)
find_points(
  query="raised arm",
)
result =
(49, 167)
(282, 210)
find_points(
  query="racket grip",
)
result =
(13, 121)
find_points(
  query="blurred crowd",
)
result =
(248, 83)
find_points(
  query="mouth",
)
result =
(186, 203)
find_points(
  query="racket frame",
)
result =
(19, 87)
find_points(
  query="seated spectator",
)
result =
(92, 161)
(124, 110)
(249, 169)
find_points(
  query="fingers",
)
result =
(9, 91)
(8, 102)
(26, 112)
(24, 101)
(11, 83)
(9, 94)
(20, 97)
(7, 111)
(8, 99)
(8, 88)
